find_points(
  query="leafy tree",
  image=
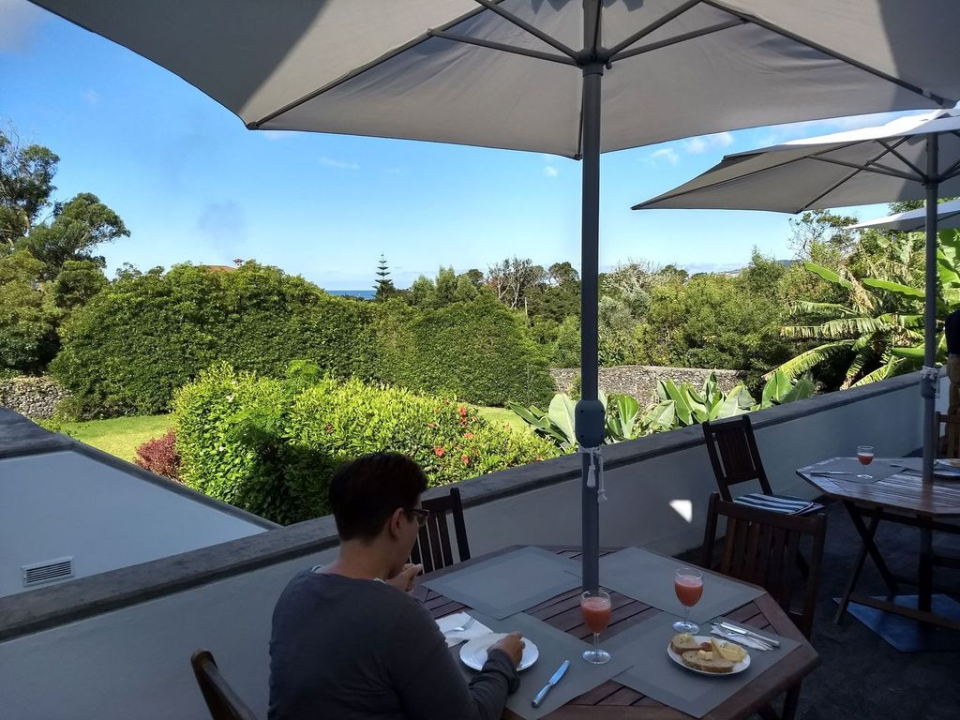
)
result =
(474, 276)
(28, 338)
(26, 184)
(77, 282)
(512, 280)
(563, 273)
(822, 226)
(384, 286)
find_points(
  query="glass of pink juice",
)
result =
(865, 456)
(596, 610)
(688, 584)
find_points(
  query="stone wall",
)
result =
(641, 380)
(35, 397)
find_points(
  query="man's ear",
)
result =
(396, 522)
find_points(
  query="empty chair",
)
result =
(736, 459)
(762, 547)
(222, 701)
(433, 549)
(949, 445)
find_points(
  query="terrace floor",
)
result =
(862, 676)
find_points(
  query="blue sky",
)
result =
(192, 184)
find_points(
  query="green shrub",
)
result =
(478, 351)
(270, 446)
(135, 343)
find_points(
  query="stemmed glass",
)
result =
(596, 610)
(865, 456)
(688, 585)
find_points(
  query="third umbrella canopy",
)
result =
(528, 75)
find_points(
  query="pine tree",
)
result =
(384, 286)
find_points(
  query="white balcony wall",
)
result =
(134, 661)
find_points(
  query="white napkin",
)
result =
(446, 625)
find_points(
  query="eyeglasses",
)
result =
(420, 514)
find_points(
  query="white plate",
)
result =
(737, 667)
(473, 654)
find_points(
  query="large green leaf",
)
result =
(681, 408)
(914, 353)
(562, 415)
(811, 358)
(828, 275)
(775, 389)
(894, 287)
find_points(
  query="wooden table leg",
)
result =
(866, 536)
(872, 548)
(925, 598)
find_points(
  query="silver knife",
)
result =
(557, 676)
(749, 633)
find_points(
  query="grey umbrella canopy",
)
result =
(948, 216)
(527, 75)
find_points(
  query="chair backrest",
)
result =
(762, 548)
(734, 454)
(222, 702)
(950, 445)
(433, 549)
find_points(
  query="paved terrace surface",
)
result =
(862, 677)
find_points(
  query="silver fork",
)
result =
(463, 628)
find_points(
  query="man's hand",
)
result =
(512, 645)
(406, 579)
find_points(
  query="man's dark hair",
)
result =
(364, 493)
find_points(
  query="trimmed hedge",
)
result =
(134, 344)
(271, 446)
(478, 351)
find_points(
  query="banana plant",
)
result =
(558, 422)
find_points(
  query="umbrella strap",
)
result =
(595, 471)
(931, 375)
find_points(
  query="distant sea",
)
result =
(365, 294)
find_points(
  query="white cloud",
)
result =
(92, 97)
(668, 154)
(338, 164)
(550, 171)
(274, 135)
(19, 20)
(705, 143)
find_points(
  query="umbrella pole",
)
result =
(930, 381)
(589, 411)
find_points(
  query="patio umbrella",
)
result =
(527, 75)
(910, 158)
(948, 216)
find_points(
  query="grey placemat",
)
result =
(511, 583)
(555, 646)
(878, 469)
(648, 577)
(654, 674)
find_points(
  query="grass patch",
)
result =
(501, 416)
(118, 436)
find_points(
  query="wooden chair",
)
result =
(949, 442)
(761, 548)
(433, 548)
(734, 454)
(222, 701)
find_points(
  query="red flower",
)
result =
(468, 436)
(463, 412)
(466, 459)
(439, 451)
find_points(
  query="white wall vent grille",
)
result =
(47, 571)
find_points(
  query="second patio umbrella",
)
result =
(948, 216)
(527, 75)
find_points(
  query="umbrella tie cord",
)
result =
(595, 471)
(931, 376)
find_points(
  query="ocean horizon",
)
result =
(365, 294)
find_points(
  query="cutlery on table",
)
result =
(463, 628)
(557, 676)
(741, 639)
(750, 633)
(829, 472)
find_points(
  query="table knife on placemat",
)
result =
(557, 676)
(748, 633)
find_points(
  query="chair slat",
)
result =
(222, 701)
(734, 454)
(434, 549)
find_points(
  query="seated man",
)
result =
(350, 642)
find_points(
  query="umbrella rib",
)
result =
(494, 6)
(895, 153)
(503, 47)
(256, 124)
(692, 35)
(718, 5)
(870, 166)
(655, 25)
(850, 176)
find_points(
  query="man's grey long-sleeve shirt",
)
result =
(345, 649)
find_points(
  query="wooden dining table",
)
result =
(902, 499)
(613, 701)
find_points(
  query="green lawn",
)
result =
(122, 436)
(119, 436)
(502, 415)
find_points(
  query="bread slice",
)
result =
(710, 664)
(682, 643)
